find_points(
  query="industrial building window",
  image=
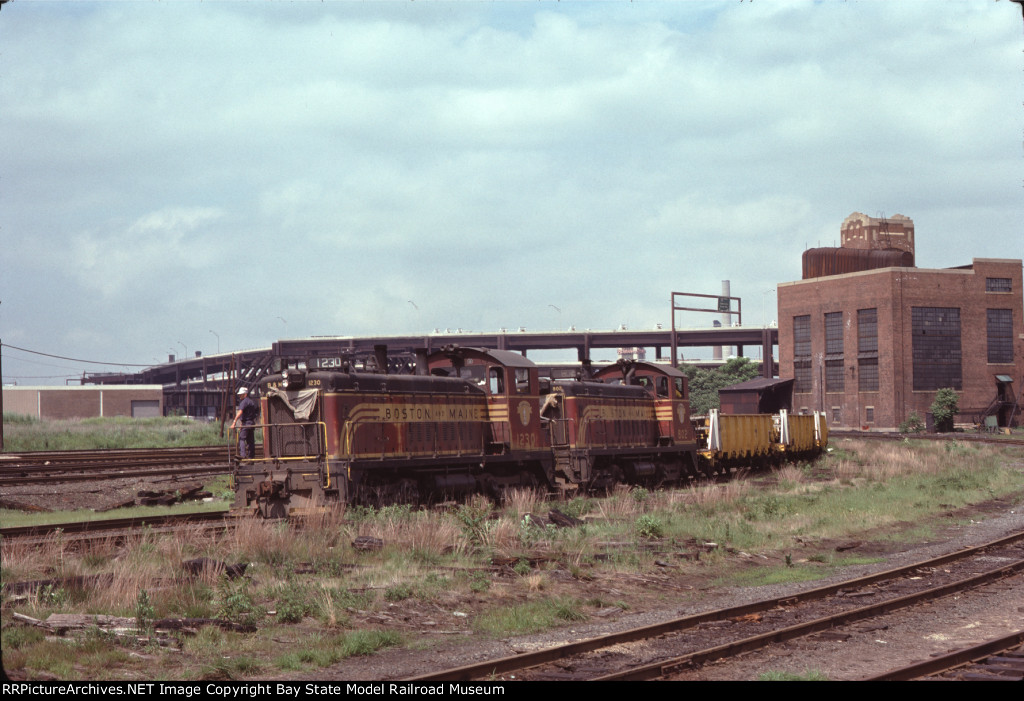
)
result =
(835, 378)
(834, 333)
(998, 284)
(802, 353)
(936, 348)
(802, 374)
(869, 414)
(867, 350)
(867, 377)
(1000, 335)
(837, 415)
(802, 336)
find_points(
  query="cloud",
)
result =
(171, 161)
(158, 245)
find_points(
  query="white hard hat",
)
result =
(243, 390)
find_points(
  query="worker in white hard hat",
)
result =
(248, 413)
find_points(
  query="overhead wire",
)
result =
(75, 360)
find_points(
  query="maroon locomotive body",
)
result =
(474, 420)
(470, 420)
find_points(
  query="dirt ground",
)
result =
(71, 496)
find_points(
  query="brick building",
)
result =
(138, 401)
(869, 339)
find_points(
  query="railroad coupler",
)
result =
(270, 489)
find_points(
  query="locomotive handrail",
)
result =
(559, 432)
(268, 445)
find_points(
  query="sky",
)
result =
(184, 176)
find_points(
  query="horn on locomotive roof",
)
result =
(586, 371)
(454, 353)
(628, 369)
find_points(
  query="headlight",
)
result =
(292, 379)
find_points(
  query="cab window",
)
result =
(496, 381)
(662, 386)
(522, 380)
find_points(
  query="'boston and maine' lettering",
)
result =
(398, 413)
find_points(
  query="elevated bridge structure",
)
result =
(201, 386)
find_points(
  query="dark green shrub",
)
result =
(648, 526)
(944, 409)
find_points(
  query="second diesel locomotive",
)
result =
(478, 420)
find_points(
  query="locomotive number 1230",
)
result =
(526, 440)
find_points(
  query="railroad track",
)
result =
(105, 528)
(963, 437)
(84, 458)
(85, 465)
(995, 660)
(677, 646)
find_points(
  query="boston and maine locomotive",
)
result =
(474, 420)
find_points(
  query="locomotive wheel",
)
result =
(614, 478)
(689, 468)
(403, 491)
(528, 480)
(523, 480)
(660, 478)
(617, 477)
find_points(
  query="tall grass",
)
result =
(22, 435)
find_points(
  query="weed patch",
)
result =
(531, 617)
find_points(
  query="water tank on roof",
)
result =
(819, 262)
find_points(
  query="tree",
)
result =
(945, 408)
(704, 384)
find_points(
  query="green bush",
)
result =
(399, 592)
(913, 424)
(479, 582)
(648, 526)
(235, 602)
(473, 517)
(522, 567)
(944, 409)
(294, 603)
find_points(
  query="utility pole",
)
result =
(1, 396)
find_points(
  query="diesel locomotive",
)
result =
(474, 420)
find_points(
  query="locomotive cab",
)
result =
(518, 451)
(667, 386)
(511, 384)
